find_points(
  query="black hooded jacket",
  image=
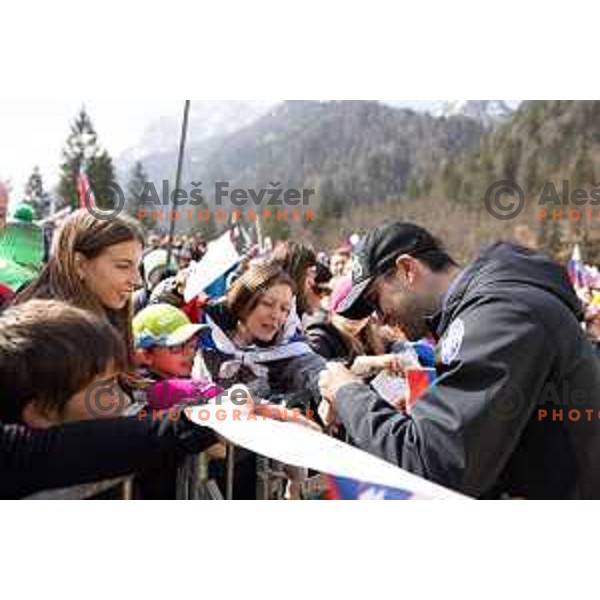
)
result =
(516, 411)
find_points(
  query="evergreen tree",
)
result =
(101, 169)
(555, 238)
(277, 230)
(511, 158)
(452, 182)
(583, 170)
(330, 210)
(135, 188)
(83, 151)
(36, 195)
(550, 236)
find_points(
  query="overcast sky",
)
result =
(33, 132)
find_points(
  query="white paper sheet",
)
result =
(297, 445)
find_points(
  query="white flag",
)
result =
(221, 256)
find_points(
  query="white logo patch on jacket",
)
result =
(358, 269)
(452, 341)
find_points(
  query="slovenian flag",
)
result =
(576, 270)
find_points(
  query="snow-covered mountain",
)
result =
(487, 112)
(208, 119)
(213, 122)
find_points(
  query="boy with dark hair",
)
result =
(58, 364)
(58, 371)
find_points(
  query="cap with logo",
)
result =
(163, 325)
(377, 254)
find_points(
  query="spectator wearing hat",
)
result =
(155, 270)
(166, 342)
(341, 338)
(509, 339)
(166, 346)
(21, 250)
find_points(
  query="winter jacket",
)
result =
(294, 378)
(516, 411)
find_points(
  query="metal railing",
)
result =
(116, 487)
(194, 483)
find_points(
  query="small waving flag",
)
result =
(575, 268)
(85, 191)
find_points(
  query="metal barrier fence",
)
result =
(115, 487)
(193, 483)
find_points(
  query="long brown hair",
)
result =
(295, 259)
(84, 233)
(246, 292)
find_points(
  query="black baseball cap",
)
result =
(376, 255)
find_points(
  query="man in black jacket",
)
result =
(516, 410)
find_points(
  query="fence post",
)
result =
(230, 471)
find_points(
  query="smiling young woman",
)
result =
(94, 264)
